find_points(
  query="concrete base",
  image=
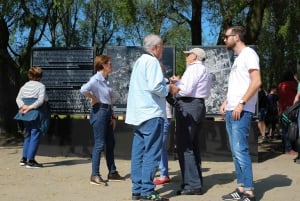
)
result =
(75, 136)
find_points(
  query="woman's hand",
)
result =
(93, 100)
(25, 109)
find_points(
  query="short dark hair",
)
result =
(35, 73)
(239, 30)
(99, 61)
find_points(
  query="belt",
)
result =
(102, 105)
(188, 99)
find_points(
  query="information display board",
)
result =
(123, 58)
(64, 72)
(219, 62)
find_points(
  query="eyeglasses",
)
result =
(227, 36)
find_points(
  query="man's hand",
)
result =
(236, 113)
(113, 123)
(173, 89)
(223, 108)
(174, 79)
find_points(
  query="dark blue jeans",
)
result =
(100, 119)
(287, 146)
(189, 115)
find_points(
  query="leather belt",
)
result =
(188, 99)
(102, 105)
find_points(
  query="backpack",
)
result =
(290, 114)
(293, 132)
(289, 118)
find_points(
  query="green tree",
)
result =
(16, 17)
(272, 25)
(278, 40)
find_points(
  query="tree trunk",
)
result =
(9, 83)
(254, 20)
(196, 28)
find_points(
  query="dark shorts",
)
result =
(262, 114)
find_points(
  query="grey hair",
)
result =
(150, 41)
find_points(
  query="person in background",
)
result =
(146, 110)
(30, 100)
(163, 166)
(296, 99)
(287, 90)
(262, 111)
(194, 87)
(272, 119)
(102, 119)
(238, 108)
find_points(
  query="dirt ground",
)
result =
(65, 177)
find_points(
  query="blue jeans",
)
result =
(145, 155)
(238, 133)
(32, 139)
(164, 154)
(103, 137)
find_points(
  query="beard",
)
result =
(230, 46)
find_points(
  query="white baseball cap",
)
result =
(200, 53)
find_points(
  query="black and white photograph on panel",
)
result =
(218, 61)
(65, 70)
(123, 59)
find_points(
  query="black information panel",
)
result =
(123, 58)
(64, 72)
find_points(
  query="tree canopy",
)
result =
(272, 25)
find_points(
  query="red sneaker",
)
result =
(292, 152)
(161, 180)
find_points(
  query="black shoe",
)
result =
(23, 161)
(297, 160)
(33, 164)
(136, 196)
(235, 195)
(247, 197)
(154, 197)
(190, 192)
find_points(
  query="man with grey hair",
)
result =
(146, 108)
(194, 87)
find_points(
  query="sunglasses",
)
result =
(227, 36)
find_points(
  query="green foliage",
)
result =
(179, 37)
(284, 29)
(113, 22)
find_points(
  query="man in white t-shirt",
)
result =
(239, 106)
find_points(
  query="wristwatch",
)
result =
(242, 102)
